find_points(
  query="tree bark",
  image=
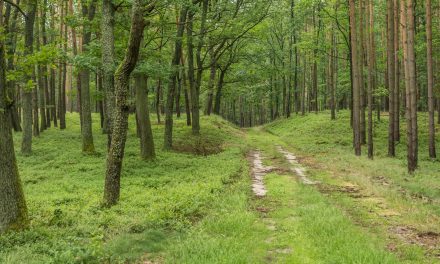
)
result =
(356, 80)
(52, 80)
(88, 12)
(396, 89)
(168, 137)
(412, 89)
(371, 52)
(391, 77)
(41, 81)
(63, 69)
(26, 146)
(13, 210)
(143, 118)
(108, 64)
(431, 110)
(218, 94)
(122, 107)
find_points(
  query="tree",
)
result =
(120, 118)
(408, 32)
(143, 117)
(168, 137)
(88, 12)
(13, 210)
(391, 77)
(26, 146)
(371, 52)
(431, 110)
(356, 79)
(108, 62)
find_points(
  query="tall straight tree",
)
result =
(63, 68)
(361, 70)
(408, 38)
(108, 62)
(391, 77)
(41, 80)
(122, 77)
(356, 78)
(371, 55)
(195, 93)
(88, 12)
(13, 211)
(431, 110)
(168, 137)
(396, 89)
(26, 146)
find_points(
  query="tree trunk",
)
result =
(26, 146)
(333, 73)
(356, 80)
(168, 137)
(63, 70)
(411, 89)
(157, 104)
(12, 42)
(431, 110)
(361, 70)
(218, 94)
(122, 107)
(13, 211)
(211, 83)
(143, 118)
(53, 108)
(88, 12)
(391, 77)
(41, 83)
(371, 75)
(396, 96)
(108, 64)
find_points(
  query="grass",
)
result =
(194, 205)
(386, 197)
(160, 200)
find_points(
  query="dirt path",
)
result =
(296, 167)
(364, 209)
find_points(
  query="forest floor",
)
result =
(310, 199)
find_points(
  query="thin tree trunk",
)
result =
(211, 84)
(218, 94)
(396, 90)
(168, 137)
(63, 69)
(361, 70)
(108, 64)
(356, 80)
(88, 146)
(371, 75)
(122, 107)
(157, 104)
(41, 83)
(412, 95)
(26, 146)
(45, 68)
(391, 78)
(52, 80)
(143, 118)
(431, 110)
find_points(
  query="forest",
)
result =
(219, 131)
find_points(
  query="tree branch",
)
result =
(16, 6)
